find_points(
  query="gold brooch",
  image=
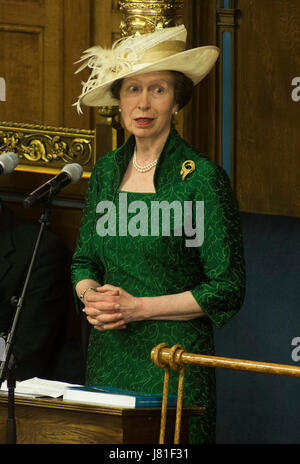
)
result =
(187, 168)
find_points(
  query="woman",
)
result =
(141, 277)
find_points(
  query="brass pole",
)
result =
(176, 358)
(164, 356)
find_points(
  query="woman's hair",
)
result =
(183, 89)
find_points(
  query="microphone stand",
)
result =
(8, 365)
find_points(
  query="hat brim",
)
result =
(195, 63)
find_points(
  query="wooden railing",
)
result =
(176, 358)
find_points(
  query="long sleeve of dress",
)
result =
(222, 291)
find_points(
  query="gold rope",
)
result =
(164, 406)
(175, 351)
(179, 406)
(158, 363)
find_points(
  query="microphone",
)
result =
(8, 162)
(70, 174)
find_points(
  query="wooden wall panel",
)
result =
(76, 17)
(267, 119)
(39, 44)
(106, 21)
(199, 118)
(265, 142)
(21, 55)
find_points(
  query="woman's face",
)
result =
(147, 104)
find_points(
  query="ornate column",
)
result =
(227, 16)
(142, 16)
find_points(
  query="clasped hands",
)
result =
(110, 308)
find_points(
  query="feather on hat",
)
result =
(161, 50)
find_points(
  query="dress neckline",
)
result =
(138, 193)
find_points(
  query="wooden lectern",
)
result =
(54, 421)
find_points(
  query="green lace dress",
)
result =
(161, 264)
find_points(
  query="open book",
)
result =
(105, 396)
(115, 397)
(38, 388)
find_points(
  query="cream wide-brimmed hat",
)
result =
(161, 50)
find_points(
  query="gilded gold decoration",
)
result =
(112, 119)
(143, 16)
(108, 111)
(44, 148)
(187, 168)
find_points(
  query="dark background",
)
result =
(253, 407)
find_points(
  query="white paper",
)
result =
(39, 387)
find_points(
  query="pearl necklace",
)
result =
(140, 168)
